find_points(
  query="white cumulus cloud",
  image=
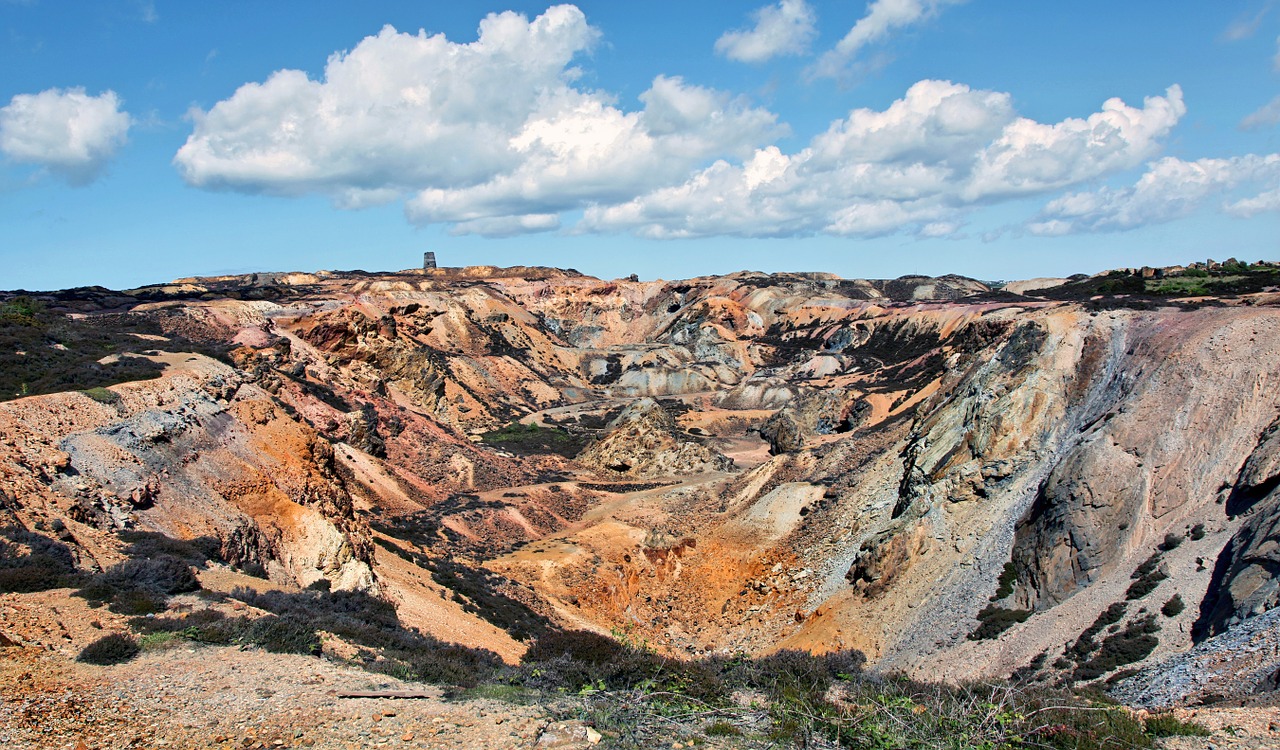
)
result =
(917, 165)
(1031, 157)
(882, 18)
(492, 137)
(66, 131)
(783, 29)
(580, 150)
(1170, 189)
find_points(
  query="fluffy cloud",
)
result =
(919, 163)
(883, 17)
(498, 137)
(579, 150)
(1170, 189)
(492, 136)
(398, 111)
(783, 29)
(1031, 157)
(67, 132)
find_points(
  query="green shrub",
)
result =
(161, 575)
(110, 649)
(102, 395)
(993, 620)
(135, 602)
(149, 544)
(1147, 567)
(1173, 607)
(160, 641)
(1148, 575)
(281, 635)
(1171, 541)
(722, 729)
(794, 672)
(527, 439)
(1134, 643)
(1143, 586)
(139, 586)
(1004, 585)
(1085, 644)
(1168, 725)
(1197, 532)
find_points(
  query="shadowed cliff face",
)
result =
(771, 461)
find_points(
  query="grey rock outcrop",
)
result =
(644, 441)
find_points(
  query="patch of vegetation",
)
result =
(161, 641)
(993, 620)
(140, 586)
(32, 562)
(1197, 532)
(111, 649)
(623, 487)
(1171, 541)
(149, 544)
(1173, 607)
(102, 395)
(865, 712)
(1230, 278)
(1146, 578)
(46, 352)
(1168, 725)
(1005, 584)
(1134, 643)
(1086, 643)
(528, 439)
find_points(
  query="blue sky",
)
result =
(144, 141)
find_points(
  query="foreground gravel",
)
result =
(223, 697)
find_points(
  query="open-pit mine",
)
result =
(1059, 482)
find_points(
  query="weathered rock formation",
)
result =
(644, 441)
(793, 460)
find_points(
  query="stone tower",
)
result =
(428, 261)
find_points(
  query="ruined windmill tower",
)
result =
(428, 261)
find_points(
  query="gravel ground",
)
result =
(219, 698)
(223, 697)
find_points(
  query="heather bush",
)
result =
(110, 649)
(32, 562)
(993, 620)
(1168, 725)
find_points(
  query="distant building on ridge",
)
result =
(428, 261)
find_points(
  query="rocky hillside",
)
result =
(1067, 483)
